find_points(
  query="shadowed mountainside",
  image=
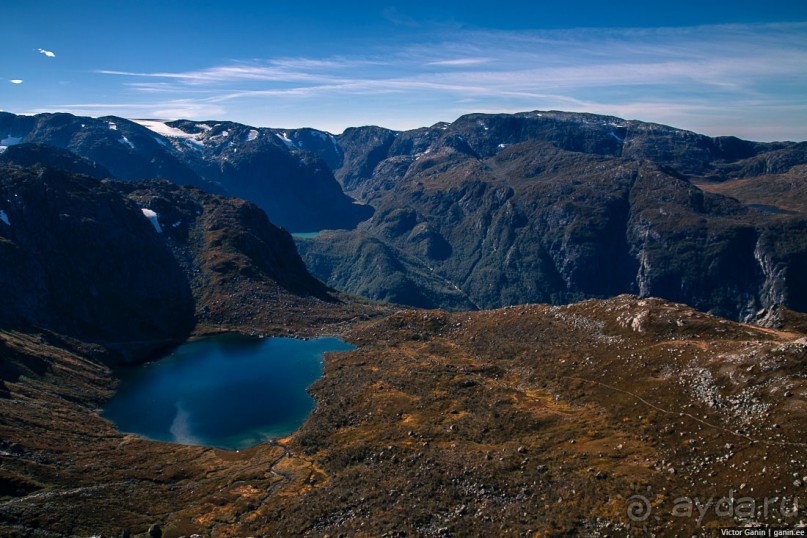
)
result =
(80, 260)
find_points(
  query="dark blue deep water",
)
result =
(226, 391)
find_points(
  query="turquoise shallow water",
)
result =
(305, 235)
(226, 391)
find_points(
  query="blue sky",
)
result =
(737, 68)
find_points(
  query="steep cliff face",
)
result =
(556, 207)
(80, 260)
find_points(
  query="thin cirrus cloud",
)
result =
(169, 109)
(693, 77)
(48, 53)
(460, 62)
(307, 70)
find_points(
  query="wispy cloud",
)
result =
(47, 53)
(460, 62)
(168, 109)
(307, 70)
(15, 81)
(694, 74)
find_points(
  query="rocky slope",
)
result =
(296, 188)
(80, 260)
(493, 210)
(521, 421)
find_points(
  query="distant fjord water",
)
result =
(228, 391)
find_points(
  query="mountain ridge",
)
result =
(557, 195)
(554, 180)
(284, 181)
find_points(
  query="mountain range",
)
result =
(492, 209)
(295, 188)
(536, 419)
(495, 210)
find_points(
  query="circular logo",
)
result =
(639, 508)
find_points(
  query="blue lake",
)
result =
(305, 235)
(227, 391)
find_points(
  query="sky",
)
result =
(719, 68)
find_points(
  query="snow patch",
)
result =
(125, 141)
(3, 148)
(617, 137)
(152, 216)
(112, 126)
(4, 217)
(194, 143)
(161, 128)
(253, 134)
(203, 126)
(335, 144)
(502, 146)
(10, 140)
(286, 140)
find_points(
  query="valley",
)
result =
(564, 324)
